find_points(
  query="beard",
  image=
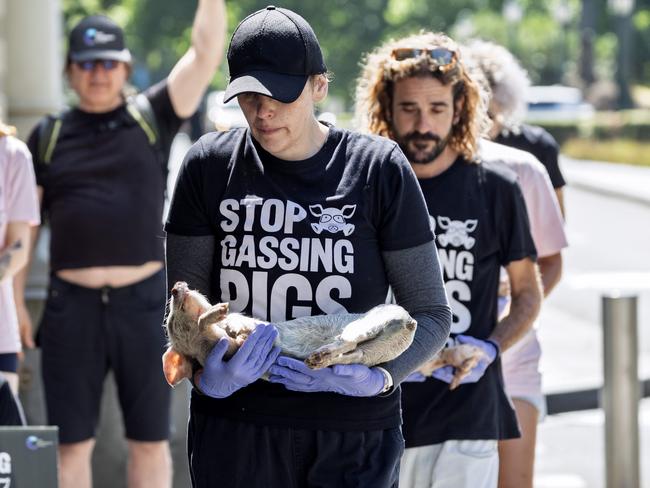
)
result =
(414, 146)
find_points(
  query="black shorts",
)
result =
(232, 454)
(9, 362)
(84, 333)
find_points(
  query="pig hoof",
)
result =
(319, 359)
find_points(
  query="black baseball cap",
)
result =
(97, 37)
(273, 52)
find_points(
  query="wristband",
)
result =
(388, 381)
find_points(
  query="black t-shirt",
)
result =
(300, 238)
(104, 186)
(539, 143)
(479, 217)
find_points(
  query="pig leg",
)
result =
(383, 320)
(210, 331)
(216, 313)
(353, 357)
(328, 354)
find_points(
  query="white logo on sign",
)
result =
(333, 219)
(457, 232)
(5, 463)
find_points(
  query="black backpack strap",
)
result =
(48, 133)
(139, 107)
(141, 110)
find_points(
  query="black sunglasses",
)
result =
(107, 64)
(444, 58)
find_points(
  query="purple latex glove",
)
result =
(446, 373)
(346, 379)
(222, 378)
(415, 377)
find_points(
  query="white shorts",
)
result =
(452, 464)
(521, 375)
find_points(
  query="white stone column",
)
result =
(3, 60)
(34, 59)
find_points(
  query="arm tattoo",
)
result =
(6, 255)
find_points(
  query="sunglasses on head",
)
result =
(441, 56)
(107, 64)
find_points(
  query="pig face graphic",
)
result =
(333, 219)
(457, 232)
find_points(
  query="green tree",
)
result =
(548, 44)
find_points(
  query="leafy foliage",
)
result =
(546, 38)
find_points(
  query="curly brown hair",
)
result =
(374, 91)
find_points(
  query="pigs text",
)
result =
(261, 235)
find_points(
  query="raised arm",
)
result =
(193, 72)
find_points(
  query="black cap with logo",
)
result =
(97, 37)
(273, 52)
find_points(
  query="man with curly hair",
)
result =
(417, 91)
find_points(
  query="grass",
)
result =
(615, 151)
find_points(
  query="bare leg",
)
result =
(517, 456)
(149, 465)
(74, 464)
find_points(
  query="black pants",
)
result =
(232, 454)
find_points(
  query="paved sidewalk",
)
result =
(619, 180)
(571, 446)
(571, 450)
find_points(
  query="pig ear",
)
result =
(316, 210)
(175, 367)
(348, 211)
(470, 225)
(444, 222)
